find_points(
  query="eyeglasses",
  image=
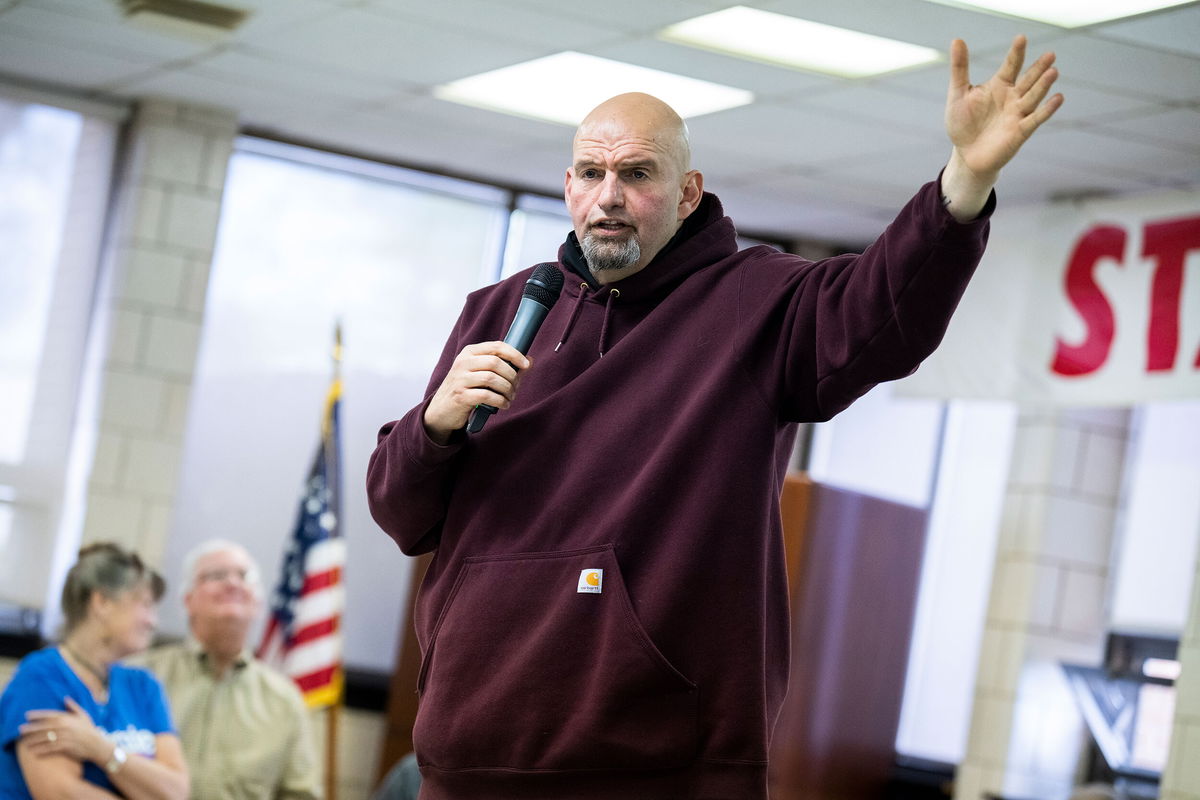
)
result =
(242, 575)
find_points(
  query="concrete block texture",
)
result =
(170, 206)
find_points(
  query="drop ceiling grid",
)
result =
(814, 156)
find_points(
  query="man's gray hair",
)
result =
(208, 547)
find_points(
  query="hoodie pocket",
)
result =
(538, 661)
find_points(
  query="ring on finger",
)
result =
(51, 736)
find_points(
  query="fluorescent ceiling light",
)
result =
(1066, 13)
(564, 87)
(797, 43)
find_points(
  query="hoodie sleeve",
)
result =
(409, 476)
(844, 324)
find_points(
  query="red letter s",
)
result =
(1104, 241)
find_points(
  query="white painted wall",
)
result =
(955, 580)
(883, 445)
(1160, 530)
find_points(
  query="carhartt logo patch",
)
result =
(591, 580)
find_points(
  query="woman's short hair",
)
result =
(109, 569)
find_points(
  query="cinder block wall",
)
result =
(1047, 602)
(151, 312)
(1181, 778)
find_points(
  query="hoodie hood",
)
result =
(706, 236)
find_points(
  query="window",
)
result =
(536, 229)
(55, 167)
(305, 240)
(37, 145)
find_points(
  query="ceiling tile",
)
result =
(391, 49)
(288, 77)
(865, 189)
(40, 62)
(1177, 128)
(1033, 178)
(1120, 157)
(770, 209)
(1083, 102)
(631, 16)
(438, 114)
(1177, 29)
(276, 16)
(762, 79)
(109, 35)
(722, 166)
(409, 140)
(915, 112)
(85, 9)
(544, 29)
(932, 81)
(1126, 67)
(816, 156)
(915, 21)
(895, 174)
(257, 105)
(396, 136)
(801, 137)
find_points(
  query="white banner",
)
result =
(1092, 303)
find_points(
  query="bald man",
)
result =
(605, 615)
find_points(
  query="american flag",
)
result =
(303, 635)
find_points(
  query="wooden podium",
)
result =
(854, 563)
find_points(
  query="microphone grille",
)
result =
(544, 285)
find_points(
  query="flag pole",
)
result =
(304, 640)
(333, 710)
(331, 727)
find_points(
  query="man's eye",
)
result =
(639, 174)
(589, 174)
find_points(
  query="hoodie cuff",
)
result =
(420, 448)
(951, 230)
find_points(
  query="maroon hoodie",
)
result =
(605, 616)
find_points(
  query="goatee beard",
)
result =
(605, 254)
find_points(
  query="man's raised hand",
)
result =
(989, 122)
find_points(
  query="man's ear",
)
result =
(567, 186)
(693, 191)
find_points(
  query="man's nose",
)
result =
(611, 193)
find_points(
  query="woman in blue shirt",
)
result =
(74, 722)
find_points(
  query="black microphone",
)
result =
(537, 298)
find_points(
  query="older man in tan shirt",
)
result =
(244, 726)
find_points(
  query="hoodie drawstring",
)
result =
(613, 294)
(583, 287)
